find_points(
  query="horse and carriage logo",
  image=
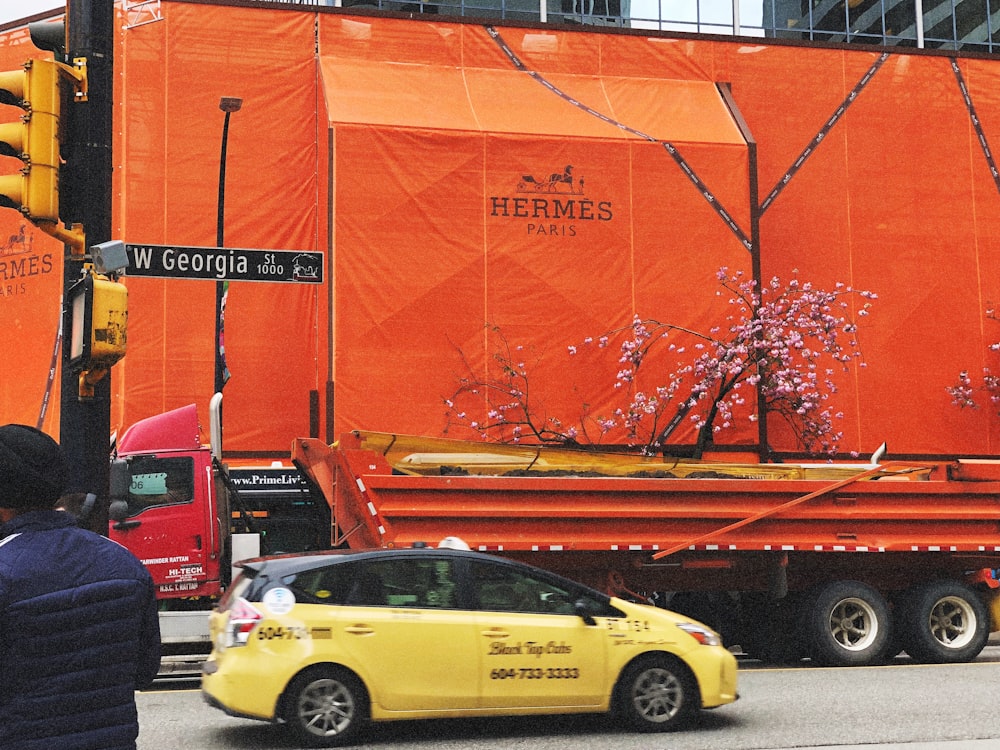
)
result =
(307, 267)
(558, 182)
(18, 243)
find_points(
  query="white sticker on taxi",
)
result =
(279, 601)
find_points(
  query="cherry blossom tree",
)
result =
(777, 352)
(963, 393)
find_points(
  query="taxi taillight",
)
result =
(243, 618)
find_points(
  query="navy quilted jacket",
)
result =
(78, 635)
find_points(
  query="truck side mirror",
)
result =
(120, 480)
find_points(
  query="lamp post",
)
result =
(227, 104)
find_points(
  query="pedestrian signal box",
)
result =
(96, 323)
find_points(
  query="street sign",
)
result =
(224, 264)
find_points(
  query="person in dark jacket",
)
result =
(78, 622)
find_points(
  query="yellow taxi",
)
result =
(328, 642)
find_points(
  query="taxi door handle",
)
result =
(359, 629)
(496, 633)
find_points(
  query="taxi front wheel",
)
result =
(657, 695)
(325, 707)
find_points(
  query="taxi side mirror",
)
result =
(582, 610)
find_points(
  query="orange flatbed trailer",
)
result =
(843, 563)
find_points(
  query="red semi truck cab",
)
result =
(169, 505)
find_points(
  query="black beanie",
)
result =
(32, 468)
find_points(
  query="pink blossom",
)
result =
(775, 340)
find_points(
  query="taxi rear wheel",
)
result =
(325, 707)
(657, 695)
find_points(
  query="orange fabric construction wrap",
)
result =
(30, 292)
(498, 188)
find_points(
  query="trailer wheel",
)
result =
(847, 624)
(656, 694)
(942, 622)
(325, 707)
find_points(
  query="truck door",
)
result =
(170, 524)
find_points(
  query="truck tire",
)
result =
(942, 622)
(656, 694)
(325, 707)
(846, 624)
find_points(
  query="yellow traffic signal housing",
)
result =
(34, 137)
(96, 323)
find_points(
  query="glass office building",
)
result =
(968, 25)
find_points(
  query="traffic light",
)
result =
(40, 88)
(34, 139)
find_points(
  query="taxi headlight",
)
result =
(700, 633)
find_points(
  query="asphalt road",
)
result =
(938, 707)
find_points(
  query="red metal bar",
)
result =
(777, 509)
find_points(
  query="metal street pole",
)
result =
(85, 425)
(227, 104)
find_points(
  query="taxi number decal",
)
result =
(632, 625)
(282, 633)
(534, 673)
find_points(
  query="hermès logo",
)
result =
(551, 204)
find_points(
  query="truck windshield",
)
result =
(159, 481)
